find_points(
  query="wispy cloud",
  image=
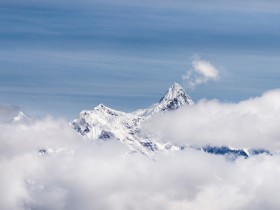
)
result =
(238, 5)
(201, 72)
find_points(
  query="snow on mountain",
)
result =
(20, 118)
(174, 98)
(14, 117)
(105, 123)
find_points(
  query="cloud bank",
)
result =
(250, 123)
(201, 72)
(81, 174)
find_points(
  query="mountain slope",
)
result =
(106, 123)
(20, 118)
(173, 99)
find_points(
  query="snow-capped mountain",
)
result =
(105, 123)
(14, 118)
(174, 98)
(20, 118)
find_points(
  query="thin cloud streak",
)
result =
(106, 38)
(239, 5)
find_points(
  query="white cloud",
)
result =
(250, 123)
(201, 72)
(100, 175)
(205, 69)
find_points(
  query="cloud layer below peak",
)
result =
(250, 123)
(81, 174)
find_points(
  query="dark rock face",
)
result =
(175, 98)
(149, 145)
(226, 151)
(234, 153)
(105, 135)
(43, 152)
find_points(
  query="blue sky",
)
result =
(61, 57)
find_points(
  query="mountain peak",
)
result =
(101, 106)
(21, 117)
(176, 85)
(104, 109)
(173, 92)
(175, 97)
